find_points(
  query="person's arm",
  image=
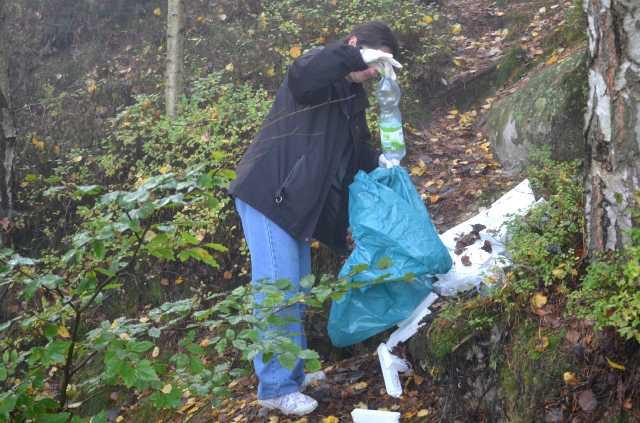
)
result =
(311, 76)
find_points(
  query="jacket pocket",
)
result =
(283, 191)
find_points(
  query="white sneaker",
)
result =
(314, 377)
(296, 403)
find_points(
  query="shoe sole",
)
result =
(299, 414)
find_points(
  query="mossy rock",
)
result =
(546, 111)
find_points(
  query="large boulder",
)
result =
(545, 110)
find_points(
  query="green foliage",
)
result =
(217, 117)
(543, 243)
(59, 349)
(610, 291)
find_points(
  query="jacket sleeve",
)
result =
(310, 76)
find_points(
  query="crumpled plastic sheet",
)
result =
(484, 267)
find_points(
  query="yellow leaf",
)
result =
(360, 386)
(615, 365)
(119, 419)
(91, 86)
(205, 343)
(157, 11)
(271, 72)
(156, 352)
(457, 62)
(63, 332)
(539, 300)
(38, 144)
(456, 29)
(423, 413)
(559, 272)
(200, 19)
(569, 378)
(295, 51)
(330, 419)
(77, 159)
(426, 19)
(274, 419)
(552, 60)
(434, 198)
(164, 169)
(542, 344)
(315, 245)
(166, 389)
(179, 280)
(229, 67)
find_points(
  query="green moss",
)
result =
(532, 375)
(512, 66)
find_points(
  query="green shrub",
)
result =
(610, 291)
(543, 243)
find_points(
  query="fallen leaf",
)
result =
(274, 419)
(179, 280)
(229, 67)
(615, 365)
(295, 51)
(627, 404)
(271, 72)
(569, 378)
(359, 386)
(587, 401)
(552, 60)
(542, 344)
(164, 281)
(456, 29)
(427, 19)
(434, 198)
(227, 275)
(166, 389)
(119, 419)
(63, 332)
(157, 11)
(423, 413)
(330, 419)
(205, 343)
(539, 300)
(38, 144)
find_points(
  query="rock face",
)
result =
(546, 111)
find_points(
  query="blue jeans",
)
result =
(276, 255)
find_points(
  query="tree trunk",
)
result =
(7, 127)
(175, 56)
(612, 175)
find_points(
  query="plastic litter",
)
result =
(484, 265)
(391, 365)
(361, 415)
(390, 120)
(395, 238)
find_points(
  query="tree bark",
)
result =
(612, 176)
(175, 56)
(7, 126)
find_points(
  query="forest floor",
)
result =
(456, 173)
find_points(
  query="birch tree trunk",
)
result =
(612, 122)
(175, 56)
(7, 127)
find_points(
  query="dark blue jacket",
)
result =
(311, 144)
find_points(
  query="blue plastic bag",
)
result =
(396, 239)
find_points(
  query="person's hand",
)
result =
(364, 75)
(386, 163)
(381, 60)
